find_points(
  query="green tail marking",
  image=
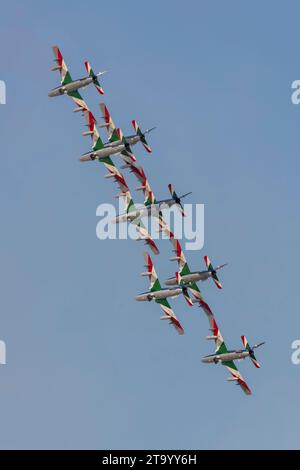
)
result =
(186, 270)
(130, 206)
(92, 74)
(222, 349)
(150, 200)
(156, 286)
(75, 94)
(229, 364)
(99, 144)
(163, 302)
(67, 79)
(215, 277)
(114, 136)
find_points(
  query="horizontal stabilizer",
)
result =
(142, 135)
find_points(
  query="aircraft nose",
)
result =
(85, 158)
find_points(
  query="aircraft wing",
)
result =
(164, 304)
(61, 66)
(115, 134)
(145, 187)
(183, 267)
(108, 122)
(138, 172)
(151, 273)
(79, 101)
(170, 315)
(237, 376)
(91, 125)
(114, 173)
(144, 235)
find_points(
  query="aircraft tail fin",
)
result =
(177, 199)
(213, 271)
(142, 135)
(251, 351)
(127, 152)
(94, 77)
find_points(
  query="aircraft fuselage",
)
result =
(130, 216)
(192, 277)
(228, 356)
(102, 153)
(146, 211)
(130, 139)
(160, 294)
(69, 87)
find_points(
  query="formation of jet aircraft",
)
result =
(184, 282)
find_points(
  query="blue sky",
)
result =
(88, 367)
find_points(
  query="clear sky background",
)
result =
(88, 366)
